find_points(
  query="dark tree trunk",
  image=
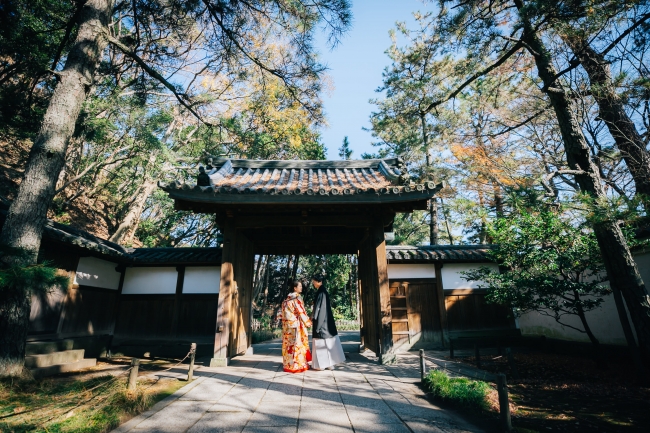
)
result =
(445, 213)
(15, 306)
(28, 213)
(627, 331)
(583, 319)
(621, 268)
(612, 111)
(433, 225)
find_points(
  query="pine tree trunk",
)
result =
(28, 213)
(612, 111)
(433, 218)
(621, 268)
(445, 213)
(126, 230)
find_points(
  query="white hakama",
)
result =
(326, 352)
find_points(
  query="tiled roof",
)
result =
(178, 256)
(75, 237)
(438, 253)
(299, 180)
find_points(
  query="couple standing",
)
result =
(327, 350)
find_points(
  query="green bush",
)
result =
(266, 334)
(458, 391)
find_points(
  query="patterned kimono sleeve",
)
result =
(300, 308)
(289, 319)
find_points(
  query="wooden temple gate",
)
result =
(301, 207)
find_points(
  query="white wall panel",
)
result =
(452, 279)
(204, 279)
(422, 270)
(150, 281)
(97, 273)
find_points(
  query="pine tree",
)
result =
(344, 151)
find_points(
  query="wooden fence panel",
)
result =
(198, 315)
(88, 311)
(468, 311)
(145, 317)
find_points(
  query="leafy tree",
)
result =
(550, 264)
(229, 36)
(489, 36)
(344, 151)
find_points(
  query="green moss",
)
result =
(458, 391)
(96, 405)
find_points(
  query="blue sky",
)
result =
(355, 67)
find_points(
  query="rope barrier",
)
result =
(58, 403)
(68, 399)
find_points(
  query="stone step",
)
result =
(55, 358)
(42, 347)
(64, 368)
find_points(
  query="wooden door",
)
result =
(416, 312)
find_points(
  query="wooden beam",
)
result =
(442, 307)
(177, 299)
(300, 221)
(283, 250)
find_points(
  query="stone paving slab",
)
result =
(254, 395)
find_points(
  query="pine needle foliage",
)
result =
(35, 278)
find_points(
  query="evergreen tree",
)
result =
(344, 151)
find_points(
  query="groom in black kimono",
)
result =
(327, 350)
(323, 321)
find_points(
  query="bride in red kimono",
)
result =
(295, 339)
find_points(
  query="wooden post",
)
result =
(478, 355)
(177, 299)
(504, 405)
(423, 366)
(513, 365)
(190, 372)
(116, 311)
(226, 289)
(379, 270)
(133, 375)
(442, 306)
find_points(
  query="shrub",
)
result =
(458, 391)
(265, 334)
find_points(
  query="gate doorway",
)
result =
(415, 307)
(301, 207)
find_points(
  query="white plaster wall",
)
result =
(643, 263)
(422, 270)
(150, 281)
(204, 279)
(97, 273)
(604, 321)
(452, 279)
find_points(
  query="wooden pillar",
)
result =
(232, 335)
(226, 289)
(373, 270)
(242, 296)
(442, 306)
(178, 297)
(368, 297)
(379, 268)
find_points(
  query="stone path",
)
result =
(253, 394)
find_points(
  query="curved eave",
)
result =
(208, 194)
(403, 254)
